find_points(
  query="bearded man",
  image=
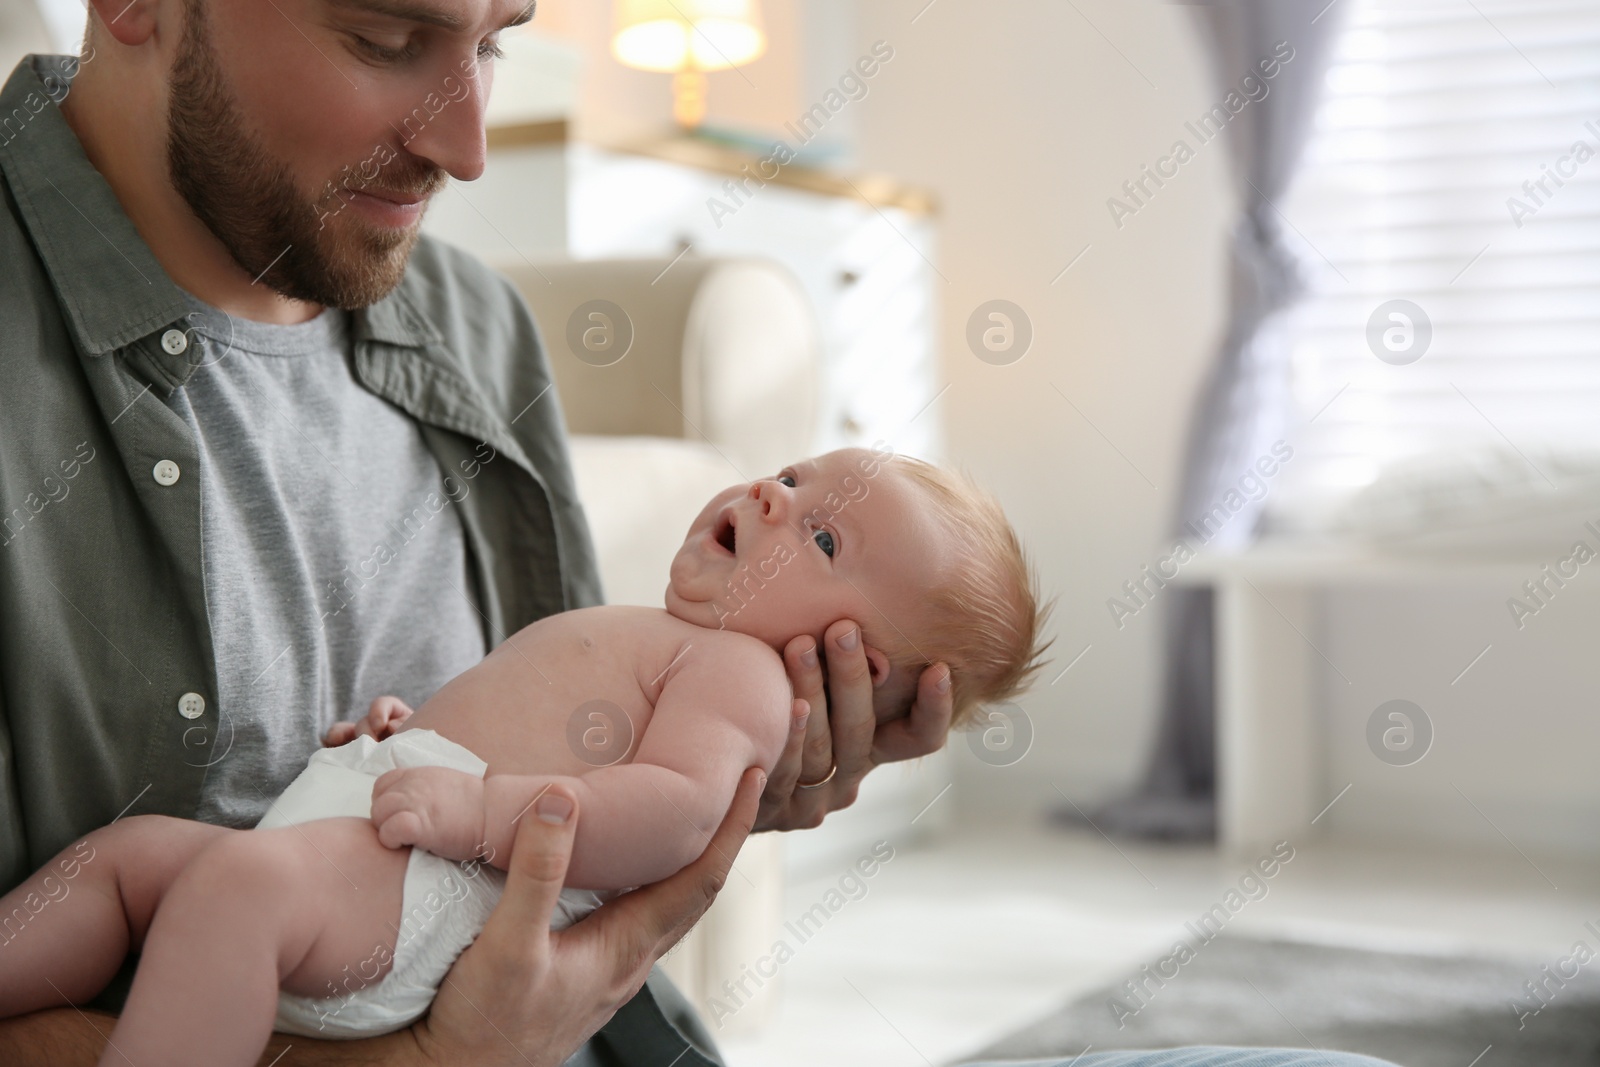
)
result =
(232, 371)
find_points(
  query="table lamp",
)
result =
(687, 38)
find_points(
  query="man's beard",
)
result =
(305, 249)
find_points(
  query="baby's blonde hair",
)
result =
(985, 620)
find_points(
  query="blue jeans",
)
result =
(1207, 1057)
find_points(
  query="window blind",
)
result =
(1454, 164)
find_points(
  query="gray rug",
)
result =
(1418, 1011)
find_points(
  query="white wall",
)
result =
(22, 30)
(1025, 120)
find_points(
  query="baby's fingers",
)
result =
(400, 829)
(341, 733)
(385, 716)
(394, 813)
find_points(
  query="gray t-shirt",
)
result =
(335, 564)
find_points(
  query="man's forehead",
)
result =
(442, 13)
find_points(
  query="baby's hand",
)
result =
(432, 808)
(386, 715)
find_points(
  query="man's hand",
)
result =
(844, 734)
(432, 808)
(384, 717)
(526, 997)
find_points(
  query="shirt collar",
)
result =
(396, 320)
(110, 285)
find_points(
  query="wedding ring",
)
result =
(822, 781)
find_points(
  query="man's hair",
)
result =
(984, 619)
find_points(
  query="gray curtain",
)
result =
(1241, 407)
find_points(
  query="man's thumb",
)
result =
(536, 869)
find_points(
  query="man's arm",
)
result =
(68, 1037)
(64, 1036)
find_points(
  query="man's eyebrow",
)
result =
(411, 11)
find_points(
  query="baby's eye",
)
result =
(786, 479)
(824, 541)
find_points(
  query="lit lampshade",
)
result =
(686, 38)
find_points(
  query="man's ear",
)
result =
(877, 665)
(127, 23)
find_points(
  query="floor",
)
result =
(954, 943)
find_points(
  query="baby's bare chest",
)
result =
(566, 695)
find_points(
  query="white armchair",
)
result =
(718, 383)
(699, 373)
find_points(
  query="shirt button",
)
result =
(166, 472)
(191, 705)
(175, 342)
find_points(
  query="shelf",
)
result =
(876, 189)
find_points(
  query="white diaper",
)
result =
(444, 906)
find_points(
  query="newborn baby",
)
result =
(341, 913)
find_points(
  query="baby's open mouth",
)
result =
(725, 535)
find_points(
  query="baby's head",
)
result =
(924, 560)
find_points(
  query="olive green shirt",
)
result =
(104, 638)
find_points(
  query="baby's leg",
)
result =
(290, 908)
(65, 931)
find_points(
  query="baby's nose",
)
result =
(772, 496)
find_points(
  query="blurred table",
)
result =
(1268, 766)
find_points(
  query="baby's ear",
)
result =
(878, 665)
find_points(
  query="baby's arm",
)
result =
(720, 712)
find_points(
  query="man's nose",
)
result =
(774, 498)
(454, 139)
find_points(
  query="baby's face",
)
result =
(840, 536)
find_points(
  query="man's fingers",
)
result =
(847, 659)
(924, 731)
(851, 721)
(519, 926)
(844, 740)
(667, 909)
(805, 674)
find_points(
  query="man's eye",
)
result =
(490, 50)
(824, 541)
(378, 51)
(786, 479)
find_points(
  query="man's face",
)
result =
(308, 135)
(840, 536)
